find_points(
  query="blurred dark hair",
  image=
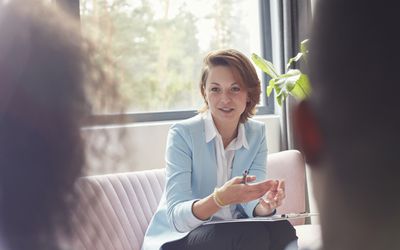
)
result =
(243, 71)
(47, 70)
(354, 58)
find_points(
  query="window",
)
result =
(157, 48)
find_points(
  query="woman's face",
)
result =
(225, 96)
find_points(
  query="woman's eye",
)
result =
(235, 89)
(214, 89)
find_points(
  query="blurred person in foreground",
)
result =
(47, 68)
(349, 128)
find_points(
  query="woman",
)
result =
(203, 153)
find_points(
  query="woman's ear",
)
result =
(204, 93)
(308, 133)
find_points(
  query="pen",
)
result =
(300, 215)
(245, 173)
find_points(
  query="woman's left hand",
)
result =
(271, 200)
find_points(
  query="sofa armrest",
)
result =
(290, 166)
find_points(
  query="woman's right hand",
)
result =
(235, 191)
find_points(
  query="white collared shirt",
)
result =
(224, 158)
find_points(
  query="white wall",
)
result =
(141, 146)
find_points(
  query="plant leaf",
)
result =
(304, 49)
(294, 59)
(264, 65)
(289, 79)
(270, 86)
(304, 46)
(281, 97)
(293, 82)
(302, 88)
(278, 89)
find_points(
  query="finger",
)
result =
(274, 185)
(250, 178)
(272, 204)
(236, 180)
(279, 192)
(274, 191)
(239, 179)
(265, 185)
(270, 195)
(270, 184)
(257, 192)
(282, 194)
(268, 198)
(265, 204)
(263, 189)
(281, 185)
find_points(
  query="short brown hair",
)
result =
(243, 71)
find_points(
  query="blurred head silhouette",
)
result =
(348, 129)
(46, 68)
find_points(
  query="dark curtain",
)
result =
(295, 25)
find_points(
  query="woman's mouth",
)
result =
(226, 110)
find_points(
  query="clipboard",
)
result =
(276, 217)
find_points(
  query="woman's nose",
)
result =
(226, 97)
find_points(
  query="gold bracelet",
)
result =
(217, 200)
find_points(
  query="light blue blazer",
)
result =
(191, 174)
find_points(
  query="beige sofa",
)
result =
(114, 210)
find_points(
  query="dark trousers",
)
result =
(237, 236)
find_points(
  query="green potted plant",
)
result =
(292, 82)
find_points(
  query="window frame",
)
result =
(266, 107)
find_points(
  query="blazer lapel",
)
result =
(240, 162)
(210, 166)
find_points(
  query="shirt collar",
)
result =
(211, 131)
(241, 138)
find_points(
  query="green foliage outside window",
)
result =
(156, 48)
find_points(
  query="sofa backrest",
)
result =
(114, 210)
